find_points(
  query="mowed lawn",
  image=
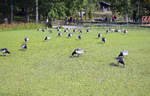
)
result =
(46, 68)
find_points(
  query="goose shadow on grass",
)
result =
(98, 38)
(100, 43)
(4, 56)
(114, 64)
(74, 56)
(45, 41)
(23, 50)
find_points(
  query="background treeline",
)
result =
(39, 10)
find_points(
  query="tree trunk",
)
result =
(12, 13)
(81, 15)
(5, 12)
(138, 11)
(37, 12)
(27, 15)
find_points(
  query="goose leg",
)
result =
(124, 65)
(4, 54)
(78, 55)
(118, 63)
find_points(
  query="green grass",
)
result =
(46, 69)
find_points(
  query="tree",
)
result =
(90, 14)
(12, 10)
(4, 11)
(37, 12)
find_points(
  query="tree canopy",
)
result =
(27, 10)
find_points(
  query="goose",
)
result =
(47, 38)
(88, 30)
(99, 35)
(74, 30)
(58, 29)
(78, 51)
(43, 30)
(65, 31)
(39, 29)
(112, 30)
(50, 31)
(79, 37)
(125, 31)
(59, 34)
(80, 31)
(24, 46)
(120, 60)
(107, 31)
(117, 30)
(69, 35)
(123, 53)
(26, 39)
(4, 51)
(103, 39)
(46, 28)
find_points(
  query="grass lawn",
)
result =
(46, 69)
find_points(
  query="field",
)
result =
(46, 68)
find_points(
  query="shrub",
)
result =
(90, 15)
(21, 26)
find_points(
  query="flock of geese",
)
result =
(77, 52)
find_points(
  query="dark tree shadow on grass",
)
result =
(74, 56)
(4, 55)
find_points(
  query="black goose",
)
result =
(120, 60)
(50, 31)
(39, 29)
(4, 51)
(46, 28)
(26, 39)
(47, 38)
(125, 31)
(65, 31)
(123, 53)
(112, 30)
(79, 37)
(99, 35)
(69, 35)
(107, 31)
(88, 30)
(43, 30)
(80, 30)
(74, 30)
(103, 39)
(117, 30)
(58, 29)
(77, 52)
(59, 34)
(24, 46)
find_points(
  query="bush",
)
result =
(90, 15)
(21, 26)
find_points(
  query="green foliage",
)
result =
(20, 26)
(60, 9)
(90, 13)
(57, 11)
